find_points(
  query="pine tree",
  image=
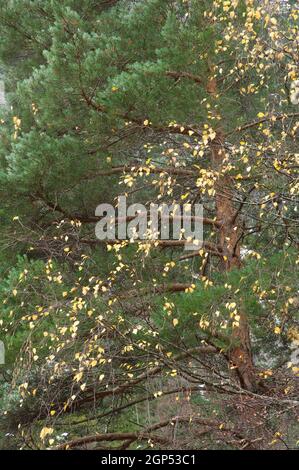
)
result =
(174, 101)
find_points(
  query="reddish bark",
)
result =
(240, 354)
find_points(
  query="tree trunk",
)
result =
(229, 235)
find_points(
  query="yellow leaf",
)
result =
(78, 376)
(46, 432)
